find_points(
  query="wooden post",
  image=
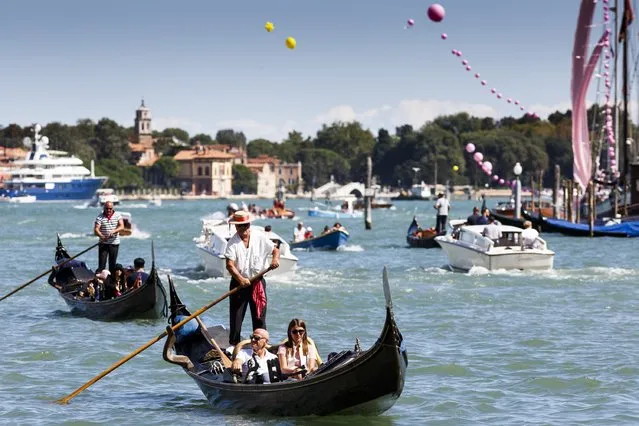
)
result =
(626, 188)
(555, 192)
(577, 206)
(616, 189)
(532, 192)
(569, 200)
(591, 208)
(368, 220)
(540, 186)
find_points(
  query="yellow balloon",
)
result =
(269, 26)
(291, 43)
(455, 167)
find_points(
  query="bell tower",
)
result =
(143, 130)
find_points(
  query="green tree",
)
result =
(121, 175)
(173, 132)
(203, 139)
(259, 147)
(110, 141)
(166, 168)
(244, 180)
(231, 137)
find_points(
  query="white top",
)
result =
(443, 205)
(492, 231)
(529, 236)
(298, 234)
(248, 359)
(249, 261)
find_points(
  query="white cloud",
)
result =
(254, 129)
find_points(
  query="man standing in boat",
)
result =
(442, 206)
(107, 227)
(246, 255)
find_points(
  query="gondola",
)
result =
(422, 239)
(349, 382)
(147, 301)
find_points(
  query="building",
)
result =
(276, 175)
(141, 143)
(205, 171)
(7, 158)
(289, 175)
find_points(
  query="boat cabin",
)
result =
(473, 236)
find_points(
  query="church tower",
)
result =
(143, 130)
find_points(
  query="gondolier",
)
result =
(107, 227)
(246, 255)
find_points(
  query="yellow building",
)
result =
(205, 171)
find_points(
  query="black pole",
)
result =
(624, 129)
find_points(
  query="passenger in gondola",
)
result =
(298, 354)
(90, 292)
(326, 230)
(119, 280)
(138, 277)
(338, 227)
(298, 232)
(257, 364)
(483, 219)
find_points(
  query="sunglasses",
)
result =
(298, 331)
(255, 337)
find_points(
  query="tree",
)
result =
(166, 168)
(231, 137)
(202, 139)
(121, 175)
(173, 132)
(110, 141)
(320, 164)
(244, 180)
(349, 139)
(259, 147)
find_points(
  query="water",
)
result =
(555, 347)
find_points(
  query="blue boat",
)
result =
(334, 214)
(329, 241)
(628, 229)
(50, 175)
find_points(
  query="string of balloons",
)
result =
(290, 42)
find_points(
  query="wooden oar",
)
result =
(142, 348)
(47, 272)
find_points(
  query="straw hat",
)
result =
(240, 217)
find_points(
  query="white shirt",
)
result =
(529, 236)
(442, 205)
(492, 231)
(298, 234)
(246, 355)
(252, 259)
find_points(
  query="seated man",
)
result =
(474, 218)
(492, 231)
(529, 235)
(255, 362)
(138, 277)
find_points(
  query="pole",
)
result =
(368, 221)
(518, 198)
(555, 192)
(591, 210)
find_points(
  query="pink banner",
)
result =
(581, 76)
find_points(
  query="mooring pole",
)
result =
(368, 220)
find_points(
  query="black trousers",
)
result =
(237, 310)
(110, 251)
(441, 223)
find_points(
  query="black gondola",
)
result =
(350, 382)
(426, 239)
(147, 301)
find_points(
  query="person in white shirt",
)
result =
(443, 207)
(529, 235)
(492, 230)
(246, 255)
(298, 232)
(254, 362)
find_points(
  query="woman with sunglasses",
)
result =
(298, 353)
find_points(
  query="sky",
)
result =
(205, 65)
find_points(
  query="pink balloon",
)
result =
(459, 53)
(516, 102)
(470, 148)
(613, 162)
(478, 156)
(483, 82)
(495, 178)
(444, 36)
(501, 181)
(488, 165)
(521, 108)
(410, 22)
(464, 62)
(468, 68)
(509, 100)
(454, 52)
(476, 75)
(498, 95)
(493, 90)
(436, 12)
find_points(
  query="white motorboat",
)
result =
(104, 195)
(21, 199)
(467, 247)
(212, 242)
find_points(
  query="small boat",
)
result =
(146, 301)
(470, 248)
(211, 245)
(360, 204)
(603, 228)
(422, 238)
(328, 241)
(417, 192)
(129, 227)
(350, 382)
(104, 195)
(19, 199)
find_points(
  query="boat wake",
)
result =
(81, 206)
(135, 206)
(139, 235)
(69, 235)
(351, 248)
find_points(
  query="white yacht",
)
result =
(104, 195)
(212, 242)
(467, 247)
(50, 175)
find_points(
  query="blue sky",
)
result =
(203, 65)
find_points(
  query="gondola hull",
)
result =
(421, 241)
(329, 241)
(148, 302)
(352, 382)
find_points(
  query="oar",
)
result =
(47, 272)
(142, 348)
